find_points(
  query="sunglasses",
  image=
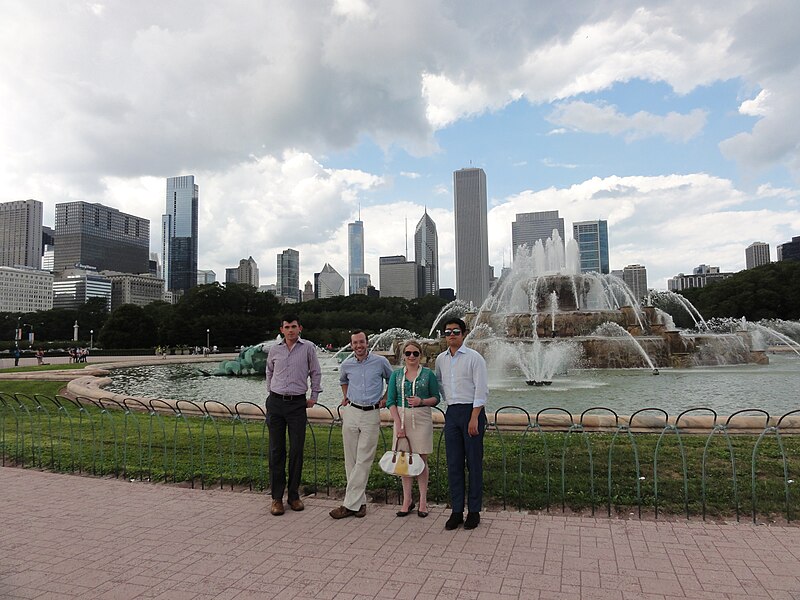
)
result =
(452, 332)
(411, 353)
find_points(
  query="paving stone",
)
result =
(67, 536)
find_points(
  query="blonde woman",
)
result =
(413, 390)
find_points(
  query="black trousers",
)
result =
(286, 414)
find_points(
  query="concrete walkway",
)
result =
(64, 536)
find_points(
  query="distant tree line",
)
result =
(768, 292)
(233, 315)
(236, 314)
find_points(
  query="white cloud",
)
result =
(757, 107)
(548, 162)
(410, 174)
(595, 118)
(668, 223)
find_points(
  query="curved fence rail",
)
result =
(702, 473)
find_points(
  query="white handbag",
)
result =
(402, 463)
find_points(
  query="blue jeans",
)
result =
(462, 448)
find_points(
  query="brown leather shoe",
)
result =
(342, 512)
(361, 512)
(296, 504)
(277, 507)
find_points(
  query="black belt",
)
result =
(370, 407)
(287, 397)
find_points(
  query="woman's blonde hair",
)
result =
(414, 343)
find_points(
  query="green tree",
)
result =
(129, 326)
(766, 292)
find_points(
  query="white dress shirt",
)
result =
(463, 378)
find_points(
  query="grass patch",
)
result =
(52, 367)
(531, 470)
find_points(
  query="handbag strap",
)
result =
(397, 441)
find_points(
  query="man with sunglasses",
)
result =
(362, 377)
(463, 382)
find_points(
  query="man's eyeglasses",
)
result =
(448, 332)
(411, 353)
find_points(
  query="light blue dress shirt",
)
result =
(364, 379)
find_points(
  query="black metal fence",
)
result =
(212, 444)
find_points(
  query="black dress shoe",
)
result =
(454, 521)
(405, 513)
(472, 521)
(422, 513)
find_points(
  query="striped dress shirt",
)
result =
(288, 371)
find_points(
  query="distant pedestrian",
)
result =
(39, 357)
(290, 365)
(16, 354)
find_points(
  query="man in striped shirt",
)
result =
(290, 364)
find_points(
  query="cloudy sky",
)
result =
(678, 124)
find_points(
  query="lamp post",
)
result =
(75, 332)
(208, 339)
(91, 338)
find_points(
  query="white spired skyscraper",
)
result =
(179, 234)
(426, 255)
(472, 236)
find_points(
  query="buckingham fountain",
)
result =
(545, 317)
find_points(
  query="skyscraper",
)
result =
(790, 250)
(533, 226)
(756, 254)
(358, 280)
(592, 239)
(635, 277)
(179, 233)
(101, 237)
(288, 283)
(21, 233)
(206, 276)
(426, 255)
(472, 235)
(328, 283)
(247, 272)
(399, 277)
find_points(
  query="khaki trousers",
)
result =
(360, 431)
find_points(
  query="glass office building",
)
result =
(358, 280)
(592, 238)
(179, 233)
(288, 283)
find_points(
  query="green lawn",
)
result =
(46, 367)
(531, 470)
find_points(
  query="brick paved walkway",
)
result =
(65, 536)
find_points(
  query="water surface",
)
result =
(727, 389)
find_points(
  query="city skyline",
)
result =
(678, 128)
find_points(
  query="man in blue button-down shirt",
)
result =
(362, 377)
(463, 382)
